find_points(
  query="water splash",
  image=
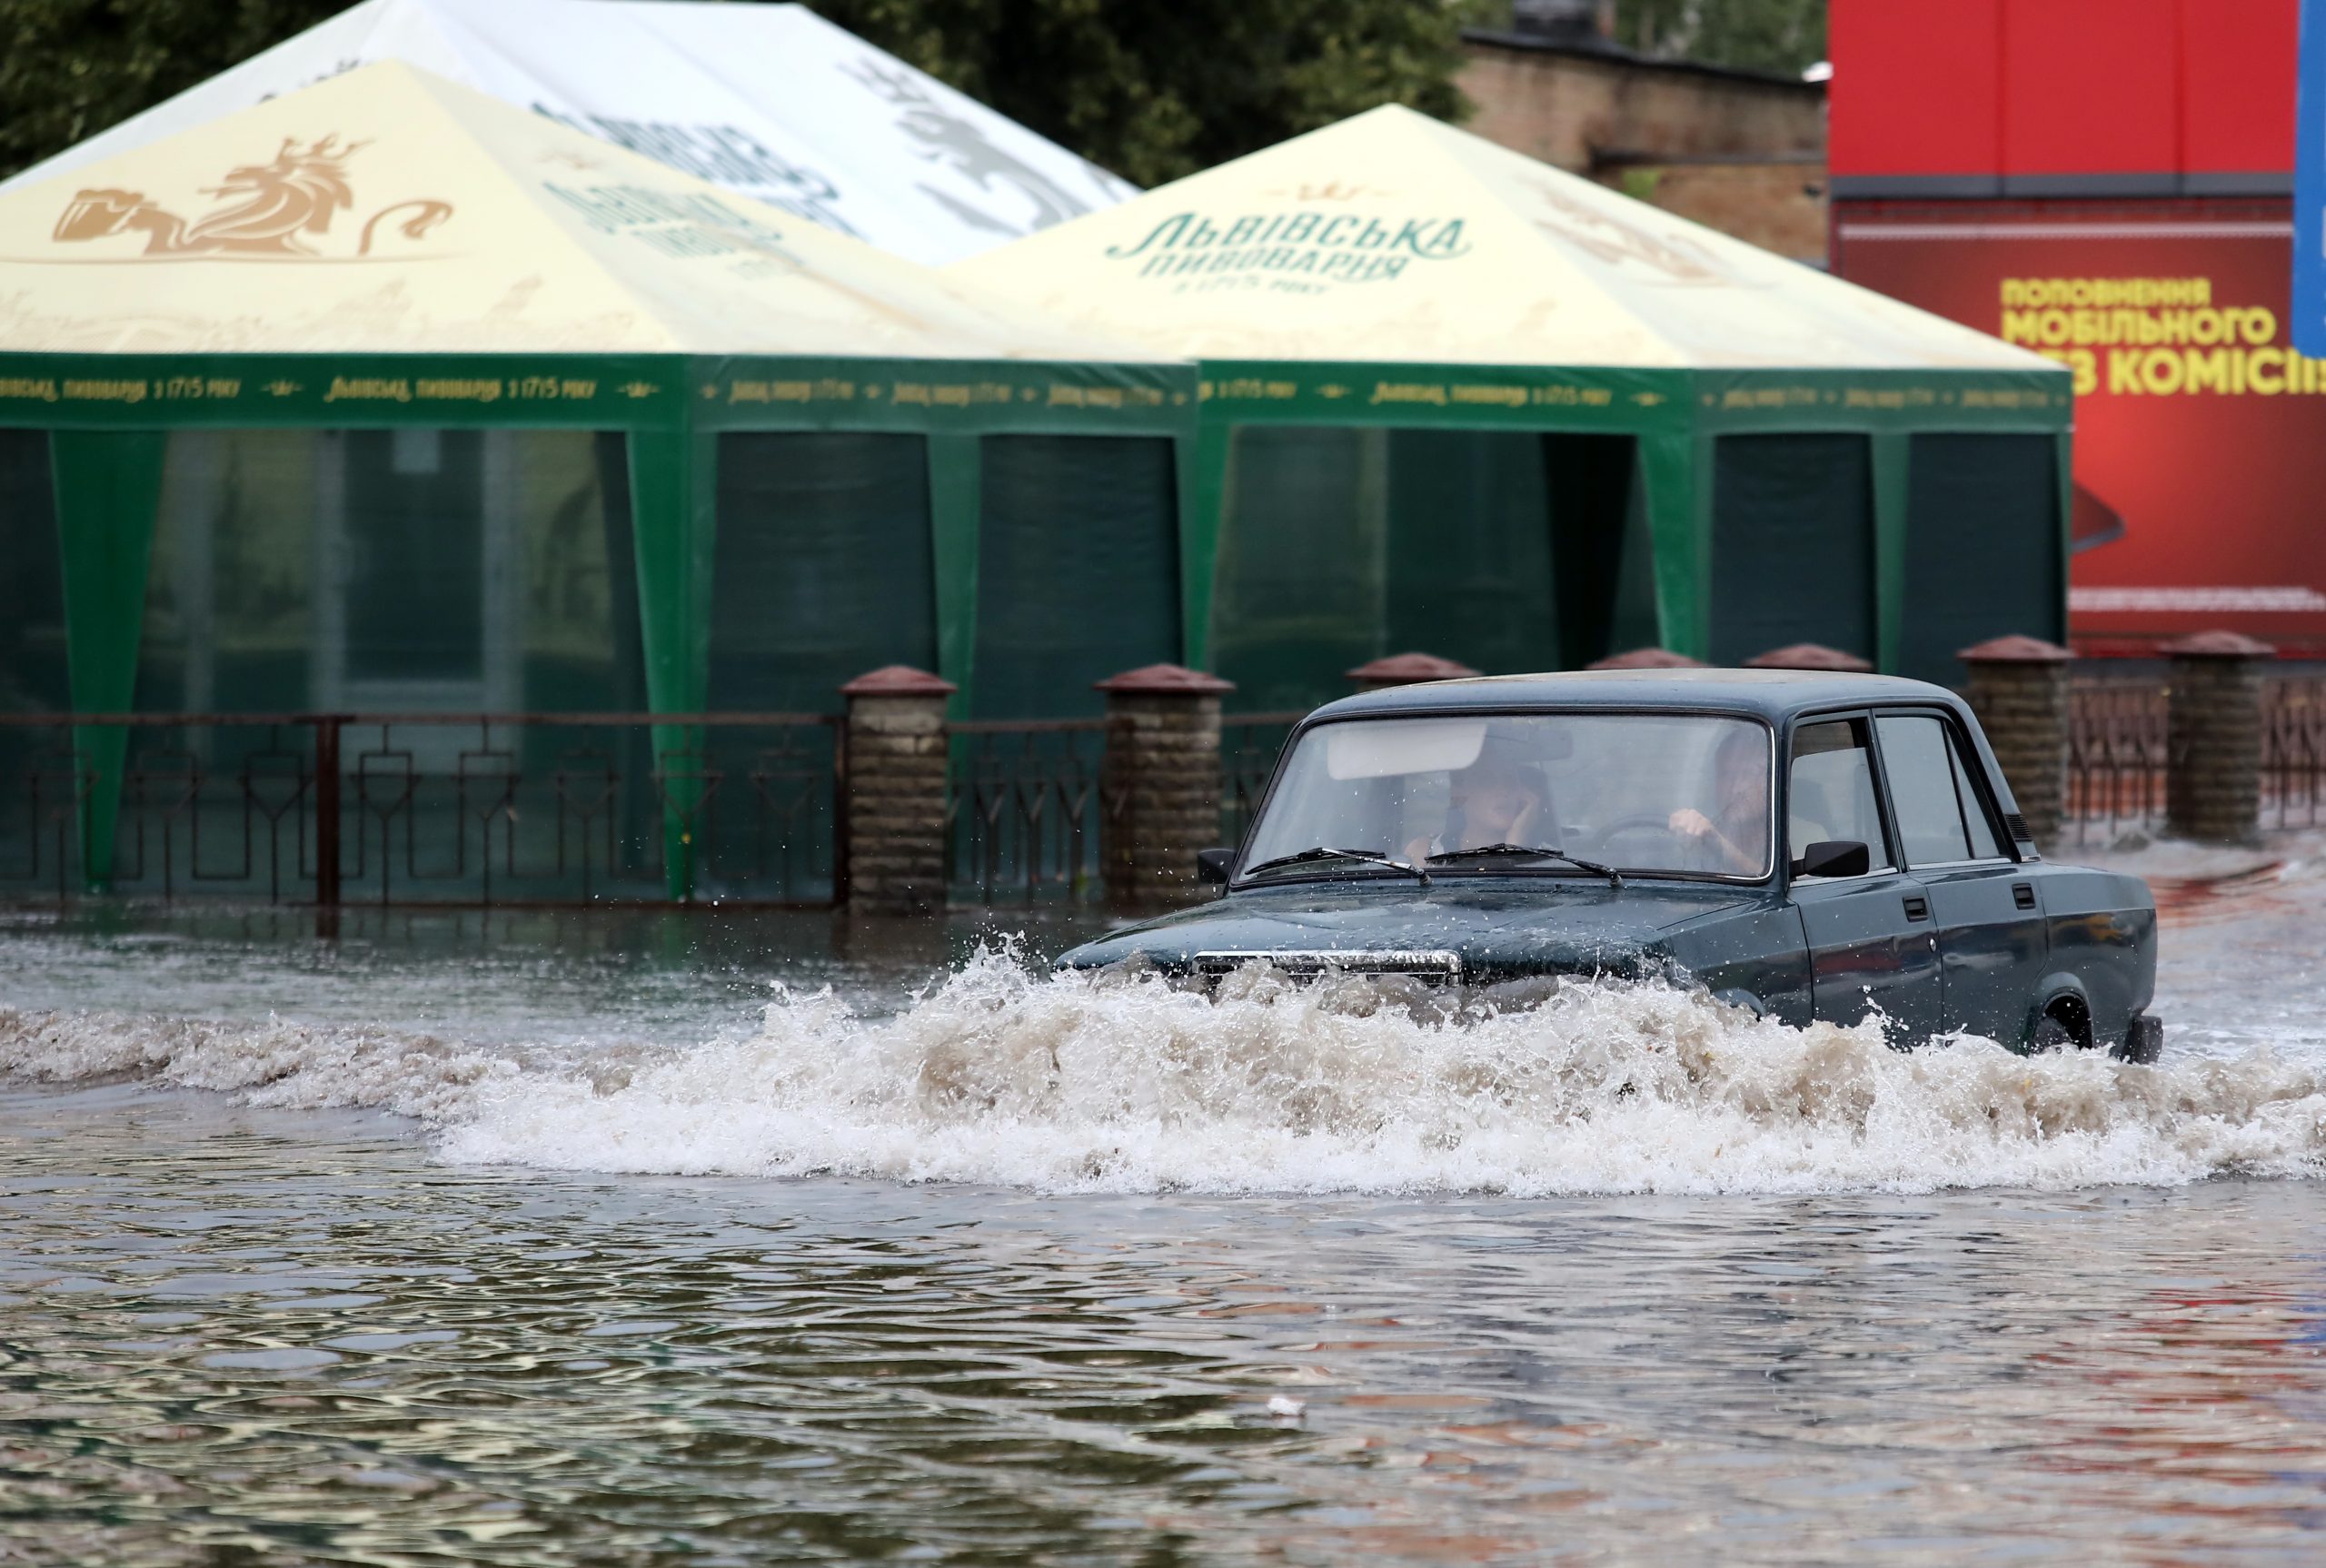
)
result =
(999, 1075)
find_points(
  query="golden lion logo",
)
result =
(298, 193)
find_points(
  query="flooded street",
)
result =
(561, 1241)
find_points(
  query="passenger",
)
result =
(1733, 838)
(1494, 802)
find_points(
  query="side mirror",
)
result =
(1833, 857)
(1213, 865)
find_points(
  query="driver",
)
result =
(1729, 839)
(1494, 802)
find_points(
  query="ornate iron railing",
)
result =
(1027, 809)
(2116, 758)
(2293, 751)
(1249, 745)
(490, 808)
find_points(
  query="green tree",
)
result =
(1779, 36)
(73, 67)
(1150, 90)
(1157, 90)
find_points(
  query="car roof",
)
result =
(1772, 694)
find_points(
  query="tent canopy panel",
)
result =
(387, 209)
(771, 101)
(1078, 569)
(1983, 546)
(1432, 244)
(1792, 554)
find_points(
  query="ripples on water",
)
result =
(235, 1324)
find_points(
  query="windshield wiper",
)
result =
(1615, 878)
(1322, 852)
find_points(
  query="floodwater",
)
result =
(539, 1240)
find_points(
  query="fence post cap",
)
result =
(898, 680)
(1163, 680)
(1409, 670)
(2217, 645)
(1646, 659)
(1807, 656)
(2015, 649)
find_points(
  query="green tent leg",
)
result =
(1199, 523)
(671, 488)
(956, 501)
(1674, 467)
(108, 489)
(1892, 454)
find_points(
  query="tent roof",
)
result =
(1391, 236)
(389, 210)
(769, 101)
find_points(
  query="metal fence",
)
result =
(2293, 751)
(460, 809)
(1027, 809)
(2120, 755)
(2116, 759)
(1249, 745)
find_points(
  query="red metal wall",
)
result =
(1982, 149)
(2028, 93)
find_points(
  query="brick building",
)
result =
(1740, 150)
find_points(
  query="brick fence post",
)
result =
(1808, 656)
(897, 764)
(1407, 670)
(2213, 747)
(1646, 659)
(1159, 784)
(2019, 689)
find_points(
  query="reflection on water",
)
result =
(230, 1333)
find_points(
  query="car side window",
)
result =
(1921, 789)
(1985, 844)
(1940, 820)
(1831, 795)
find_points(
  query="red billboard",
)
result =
(2200, 434)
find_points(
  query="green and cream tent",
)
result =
(1455, 398)
(386, 396)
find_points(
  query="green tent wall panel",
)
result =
(33, 674)
(1793, 544)
(1302, 591)
(1077, 571)
(1470, 545)
(825, 566)
(1982, 556)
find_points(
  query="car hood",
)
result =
(1509, 924)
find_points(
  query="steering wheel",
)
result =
(1638, 824)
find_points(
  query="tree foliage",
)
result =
(1155, 91)
(1779, 36)
(1151, 90)
(73, 68)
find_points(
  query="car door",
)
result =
(1992, 939)
(1871, 936)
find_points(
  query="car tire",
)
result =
(2049, 1037)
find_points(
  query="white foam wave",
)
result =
(997, 1075)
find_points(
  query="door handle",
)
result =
(1917, 907)
(2023, 894)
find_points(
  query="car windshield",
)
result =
(1645, 792)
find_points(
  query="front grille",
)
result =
(1431, 967)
